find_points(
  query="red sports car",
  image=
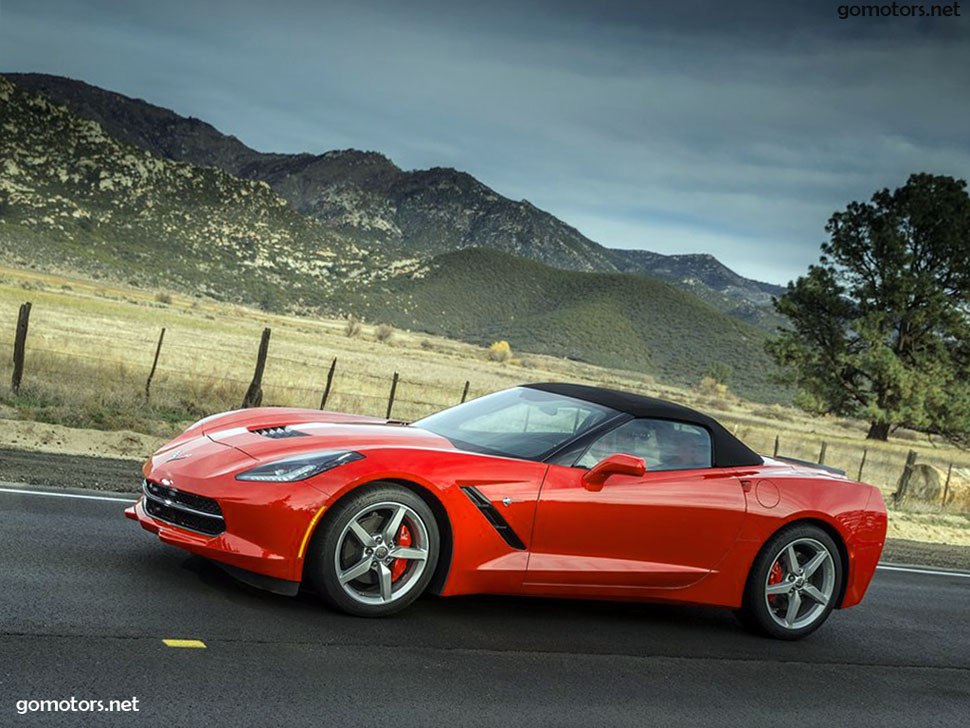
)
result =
(544, 489)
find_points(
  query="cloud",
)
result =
(734, 129)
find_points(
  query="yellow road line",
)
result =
(306, 536)
(184, 643)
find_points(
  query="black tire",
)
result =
(758, 612)
(323, 560)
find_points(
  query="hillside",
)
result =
(610, 319)
(72, 196)
(406, 213)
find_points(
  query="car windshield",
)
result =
(519, 423)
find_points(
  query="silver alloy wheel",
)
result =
(807, 583)
(368, 547)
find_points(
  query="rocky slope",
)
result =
(73, 196)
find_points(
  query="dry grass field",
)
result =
(91, 345)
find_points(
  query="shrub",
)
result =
(719, 372)
(352, 327)
(163, 297)
(710, 387)
(383, 333)
(500, 351)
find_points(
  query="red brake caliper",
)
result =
(403, 539)
(775, 577)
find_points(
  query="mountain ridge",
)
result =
(412, 213)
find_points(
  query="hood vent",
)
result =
(278, 433)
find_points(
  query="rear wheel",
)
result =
(793, 583)
(378, 553)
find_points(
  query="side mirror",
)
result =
(618, 464)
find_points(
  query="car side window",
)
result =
(663, 445)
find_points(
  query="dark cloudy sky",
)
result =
(690, 126)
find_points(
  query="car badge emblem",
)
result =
(179, 455)
(506, 501)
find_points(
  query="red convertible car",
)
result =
(544, 489)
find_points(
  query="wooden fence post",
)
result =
(464, 392)
(865, 451)
(19, 344)
(905, 477)
(326, 390)
(821, 453)
(390, 399)
(946, 486)
(254, 395)
(776, 446)
(158, 350)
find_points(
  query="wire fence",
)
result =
(288, 379)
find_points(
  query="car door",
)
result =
(667, 528)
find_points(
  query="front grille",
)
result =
(194, 512)
(181, 498)
(278, 433)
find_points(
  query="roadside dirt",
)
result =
(42, 437)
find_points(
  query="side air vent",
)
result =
(494, 517)
(278, 433)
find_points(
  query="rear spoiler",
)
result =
(809, 464)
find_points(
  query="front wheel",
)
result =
(378, 552)
(793, 584)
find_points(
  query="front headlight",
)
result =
(300, 467)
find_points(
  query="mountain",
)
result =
(74, 197)
(612, 319)
(411, 213)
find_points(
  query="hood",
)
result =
(273, 433)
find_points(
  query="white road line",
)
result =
(68, 495)
(923, 571)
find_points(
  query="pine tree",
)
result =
(880, 327)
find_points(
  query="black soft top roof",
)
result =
(729, 451)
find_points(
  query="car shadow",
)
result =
(476, 619)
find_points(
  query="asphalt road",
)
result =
(86, 598)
